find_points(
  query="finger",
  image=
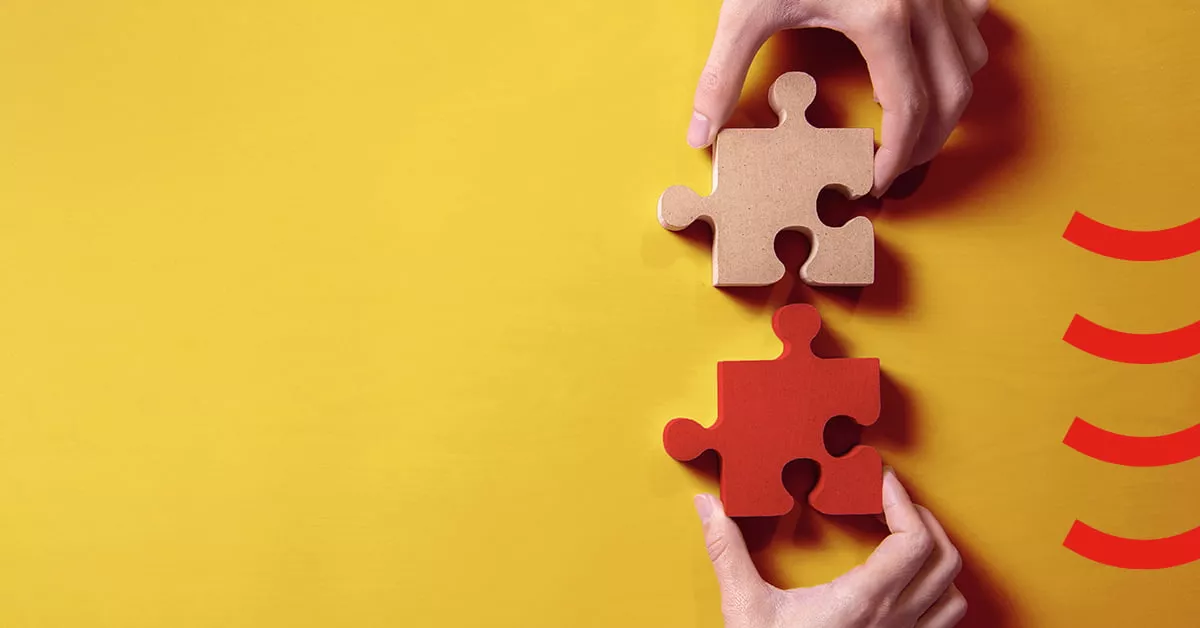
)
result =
(970, 43)
(885, 42)
(976, 9)
(737, 576)
(947, 612)
(740, 33)
(938, 573)
(902, 553)
(946, 78)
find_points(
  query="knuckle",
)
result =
(955, 564)
(882, 15)
(858, 608)
(788, 14)
(717, 546)
(914, 105)
(980, 58)
(920, 546)
(956, 606)
(959, 95)
(710, 81)
(964, 90)
(738, 19)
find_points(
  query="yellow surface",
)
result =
(357, 314)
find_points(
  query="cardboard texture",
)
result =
(767, 180)
(770, 412)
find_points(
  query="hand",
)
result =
(921, 55)
(908, 581)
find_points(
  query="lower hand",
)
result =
(907, 582)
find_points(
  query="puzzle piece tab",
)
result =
(769, 182)
(770, 412)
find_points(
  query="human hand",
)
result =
(907, 582)
(921, 55)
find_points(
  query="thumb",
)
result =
(737, 577)
(740, 33)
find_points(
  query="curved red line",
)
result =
(1119, 346)
(1134, 246)
(1133, 451)
(1118, 551)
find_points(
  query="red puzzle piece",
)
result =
(770, 412)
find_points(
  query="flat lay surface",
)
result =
(330, 314)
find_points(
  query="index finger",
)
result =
(886, 45)
(900, 556)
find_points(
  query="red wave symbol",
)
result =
(1120, 346)
(1118, 551)
(1133, 246)
(1130, 348)
(1133, 451)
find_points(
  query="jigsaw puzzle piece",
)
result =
(680, 206)
(768, 180)
(778, 411)
(841, 159)
(751, 477)
(814, 390)
(841, 256)
(743, 248)
(815, 158)
(770, 412)
(791, 95)
(850, 485)
(743, 243)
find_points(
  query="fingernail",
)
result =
(697, 136)
(704, 507)
(889, 486)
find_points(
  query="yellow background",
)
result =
(358, 314)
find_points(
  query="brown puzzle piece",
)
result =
(769, 182)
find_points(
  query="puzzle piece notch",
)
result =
(766, 181)
(771, 412)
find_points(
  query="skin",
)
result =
(921, 55)
(908, 581)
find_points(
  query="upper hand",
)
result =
(921, 55)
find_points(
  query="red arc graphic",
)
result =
(1117, 551)
(1133, 451)
(1120, 346)
(1134, 246)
